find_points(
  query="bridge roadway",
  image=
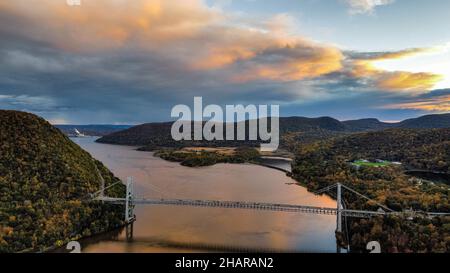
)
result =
(245, 205)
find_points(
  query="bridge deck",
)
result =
(259, 206)
(245, 205)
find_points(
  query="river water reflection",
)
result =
(177, 229)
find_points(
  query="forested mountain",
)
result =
(293, 130)
(44, 179)
(145, 134)
(296, 124)
(366, 125)
(159, 134)
(330, 161)
(430, 121)
(426, 149)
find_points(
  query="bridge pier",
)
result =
(129, 232)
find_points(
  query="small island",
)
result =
(204, 156)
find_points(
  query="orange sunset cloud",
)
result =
(397, 80)
(292, 63)
(408, 81)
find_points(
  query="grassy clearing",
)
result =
(361, 163)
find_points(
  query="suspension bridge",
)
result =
(340, 211)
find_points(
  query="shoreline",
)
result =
(53, 249)
(288, 173)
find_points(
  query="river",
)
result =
(180, 229)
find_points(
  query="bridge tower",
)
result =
(339, 208)
(339, 213)
(129, 206)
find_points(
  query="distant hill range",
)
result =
(331, 124)
(292, 130)
(92, 130)
(426, 122)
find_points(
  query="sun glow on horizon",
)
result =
(436, 61)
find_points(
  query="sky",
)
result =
(131, 61)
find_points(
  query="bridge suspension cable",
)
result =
(95, 194)
(326, 189)
(367, 198)
(329, 188)
(158, 189)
